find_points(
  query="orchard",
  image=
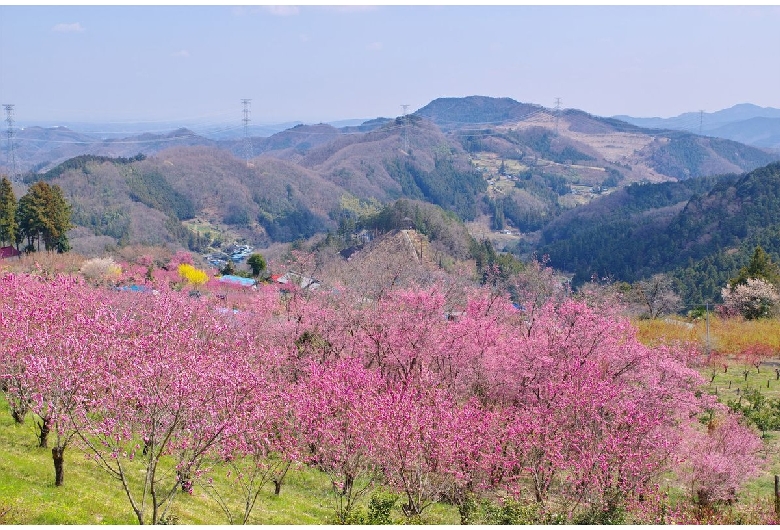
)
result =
(547, 405)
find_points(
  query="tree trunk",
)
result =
(58, 455)
(43, 432)
(278, 480)
(19, 414)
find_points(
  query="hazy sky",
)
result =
(316, 63)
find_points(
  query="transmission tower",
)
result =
(247, 141)
(557, 113)
(404, 131)
(701, 120)
(9, 118)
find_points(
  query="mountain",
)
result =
(40, 149)
(455, 113)
(513, 168)
(700, 230)
(541, 162)
(167, 197)
(745, 123)
(760, 132)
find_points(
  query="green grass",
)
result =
(731, 384)
(90, 496)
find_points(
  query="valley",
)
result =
(510, 171)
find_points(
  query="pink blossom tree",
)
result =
(718, 460)
(260, 450)
(65, 326)
(16, 294)
(589, 409)
(411, 445)
(337, 416)
(174, 385)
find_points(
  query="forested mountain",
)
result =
(453, 113)
(512, 168)
(702, 230)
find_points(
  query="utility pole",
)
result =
(557, 113)
(777, 495)
(404, 132)
(9, 118)
(708, 329)
(247, 141)
(701, 120)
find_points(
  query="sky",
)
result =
(320, 64)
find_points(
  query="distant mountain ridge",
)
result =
(745, 123)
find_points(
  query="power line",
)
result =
(9, 118)
(404, 132)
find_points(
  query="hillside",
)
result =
(541, 162)
(145, 200)
(509, 168)
(701, 230)
(760, 132)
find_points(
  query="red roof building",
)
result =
(9, 252)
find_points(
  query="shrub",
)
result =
(101, 270)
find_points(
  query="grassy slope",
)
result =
(90, 496)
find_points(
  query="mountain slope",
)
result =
(683, 228)
(760, 132)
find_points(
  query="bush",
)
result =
(378, 511)
(379, 508)
(100, 270)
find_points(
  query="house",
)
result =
(9, 252)
(237, 280)
(303, 282)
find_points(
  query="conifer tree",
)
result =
(44, 214)
(761, 267)
(8, 225)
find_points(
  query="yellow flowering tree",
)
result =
(195, 277)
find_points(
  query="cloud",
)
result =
(375, 46)
(181, 53)
(282, 11)
(68, 28)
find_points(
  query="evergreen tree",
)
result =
(258, 264)
(760, 267)
(8, 225)
(30, 213)
(44, 214)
